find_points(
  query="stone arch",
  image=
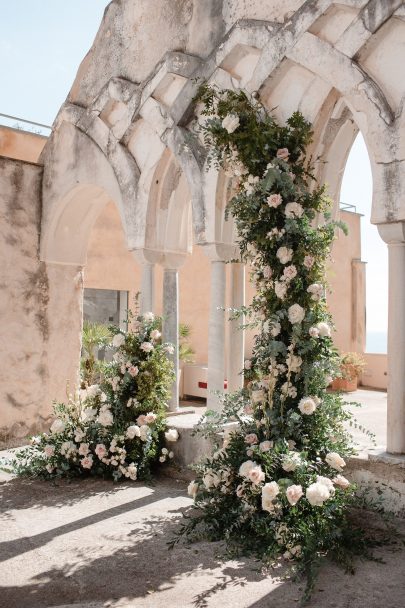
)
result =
(78, 182)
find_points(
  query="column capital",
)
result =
(146, 256)
(167, 259)
(392, 233)
(221, 252)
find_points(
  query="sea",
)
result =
(376, 342)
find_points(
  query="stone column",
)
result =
(236, 351)
(394, 235)
(147, 260)
(170, 327)
(147, 299)
(216, 334)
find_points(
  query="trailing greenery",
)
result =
(116, 428)
(275, 485)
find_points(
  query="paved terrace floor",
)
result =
(93, 544)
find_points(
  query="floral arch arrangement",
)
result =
(275, 487)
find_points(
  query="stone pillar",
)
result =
(236, 352)
(147, 259)
(147, 298)
(170, 331)
(216, 334)
(394, 235)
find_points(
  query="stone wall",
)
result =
(38, 309)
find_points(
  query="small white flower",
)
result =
(275, 329)
(49, 468)
(155, 334)
(100, 450)
(169, 348)
(309, 261)
(171, 435)
(307, 406)
(230, 123)
(313, 332)
(267, 272)
(316, 290)
(132, 471)
(192, 489)
(248, 364)
(144, 432)
(118, 340)
(289, 273)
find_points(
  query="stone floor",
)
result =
(93, 544)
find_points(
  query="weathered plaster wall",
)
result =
(21, 145)
(38, 309)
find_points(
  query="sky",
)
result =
(41, 46)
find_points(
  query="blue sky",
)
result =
(42, 43)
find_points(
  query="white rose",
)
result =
(87, 462)
(155, 334)
(335, 461)
(58, 426)
(171, 435)
(169, 348)
(144, 432)
(280, 289)
(293, 210)
(316, 494)
(118, 340)
(328, 483)
(248, 364)
(210, 479)
(296, 314)
(291, 461)
(289, 273)
(293, 494)
(230, 123)
(192, 489)
(341, 481)
(271, 490)
(316, 290)
(313, 332)
(148, 317)
(284, 255)
(105, 418)
(324, 330)
(132, 471)
(88, 414)
(307, 406)
(275, 329)
(245, 468)
(133, 431)
(84, 449)
(256, 474)
(265, 446)
(146, 347)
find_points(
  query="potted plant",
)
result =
(351, 367)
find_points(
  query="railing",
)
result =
(5, 120)
(347, 207)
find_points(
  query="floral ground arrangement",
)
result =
(276, 485)
(115, 429)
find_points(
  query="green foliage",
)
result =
(116, 428)
(274, 487)
(94, 336)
